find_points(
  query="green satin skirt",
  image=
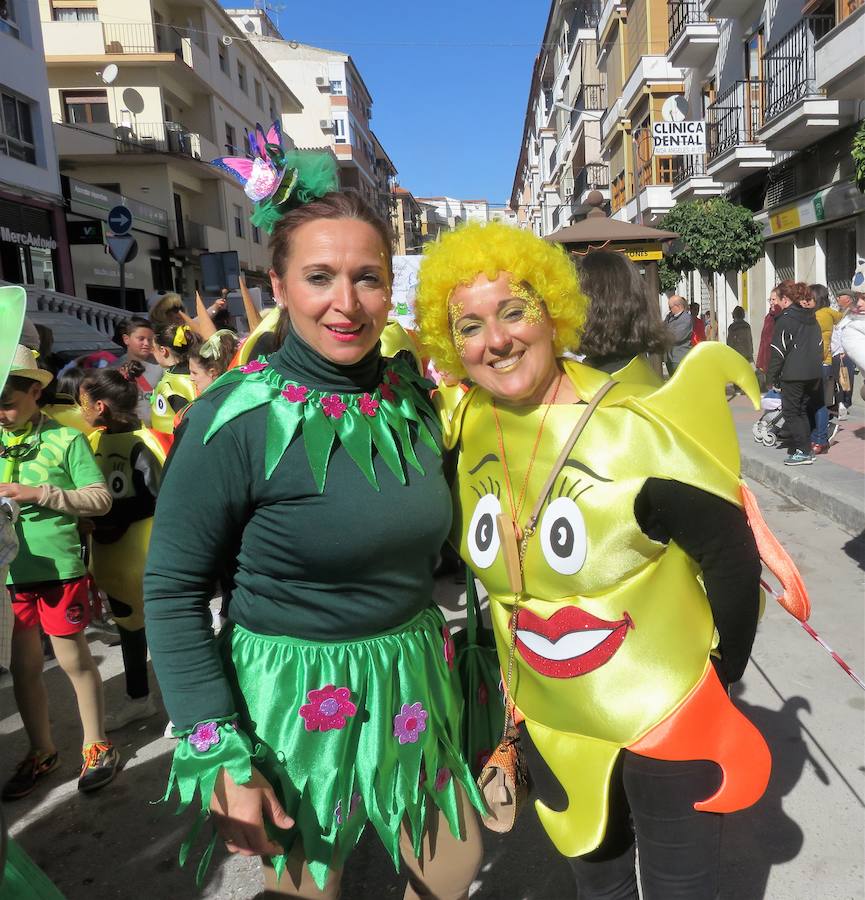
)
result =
(356, 732)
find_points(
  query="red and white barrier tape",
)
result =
(823, 644)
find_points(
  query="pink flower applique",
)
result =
(205, 736)
(409, 722)
(483, 693)
(255, 366)
(295, 393)
(386, 392)
(328, 709)
(448, 646)
(333, 406)
(443, 776)
(367, 405)
(393, 378)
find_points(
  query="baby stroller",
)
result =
(767, 429)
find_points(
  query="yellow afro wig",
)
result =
(460, 256)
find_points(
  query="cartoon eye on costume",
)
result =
(118, 483)
(483, 535)
(161, 405)
(563, 536)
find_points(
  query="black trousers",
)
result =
(800, 401)
(133, 648)
(652, 809)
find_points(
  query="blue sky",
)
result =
(449, 82)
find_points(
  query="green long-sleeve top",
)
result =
(346, 562)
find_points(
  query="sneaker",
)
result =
(101, 762)
(842, 412)
(131, 711)
(34, 766)
(799, 458)
(832, 429)
(817, 449)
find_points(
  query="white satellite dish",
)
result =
(109, 73)
(675, 109)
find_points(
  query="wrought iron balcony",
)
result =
(790, 66)
(157, 137)
(682, 13)
(589, 97)
(593, 176)
(735, 117)
(143, 37)
(687, 167)
(585, 16)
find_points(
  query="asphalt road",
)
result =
(803, 840)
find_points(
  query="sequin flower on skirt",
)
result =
(409, 722)
(205, 736)
(255, 366)
(333, 406)
(328, 708)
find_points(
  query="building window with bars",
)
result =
(223, 58)
(339, 136)
(336, 87)
(16, 128)
(238, 221)
(8, 22)
(230, 146)
(85, 107)
(617, 192)
(241, 76)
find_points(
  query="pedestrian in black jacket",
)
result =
(795, 364)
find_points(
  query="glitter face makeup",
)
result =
(459, 339)
(533, 312)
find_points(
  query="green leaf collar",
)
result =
(358, 421)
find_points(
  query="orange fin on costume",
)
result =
(708, 726)
(794, 596)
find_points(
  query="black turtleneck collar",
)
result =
(297, 361)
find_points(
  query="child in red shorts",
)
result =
(48, 469)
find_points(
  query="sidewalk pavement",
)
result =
(833, 486)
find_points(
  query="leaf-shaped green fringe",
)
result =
(318, 438)
(387, 430)
(282, 425)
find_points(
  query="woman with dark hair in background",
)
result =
(623, 328)
(827, 319)
(795, 364)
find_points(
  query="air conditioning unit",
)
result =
(321, 81)
(325, 124)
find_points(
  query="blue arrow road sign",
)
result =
(120, 220)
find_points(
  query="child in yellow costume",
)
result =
(608, 608)
(175, 389)
(130, 457)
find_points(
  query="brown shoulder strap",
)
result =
(591, 406)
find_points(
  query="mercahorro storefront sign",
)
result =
(27, 239)
(686, 138)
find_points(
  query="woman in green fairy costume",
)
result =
(330, 699)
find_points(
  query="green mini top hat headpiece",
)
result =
(278, 180)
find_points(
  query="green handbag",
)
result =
(480, 677)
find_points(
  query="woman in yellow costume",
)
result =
(175, 389)
(130, 457)
(625, 598)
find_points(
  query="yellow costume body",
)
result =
(169, 387)
(118, 567)
(613, 630)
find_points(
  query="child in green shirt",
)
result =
(48, 469)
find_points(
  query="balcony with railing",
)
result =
(694, 37)
(691, 179)
(797, 112)
(840, 62)
(158, 137)
(733, 124)
(189, 235)
(590, 101)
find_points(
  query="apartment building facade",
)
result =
(406, 223)
(560, 156)
(33, 243)
(143, 96)
(337, 111)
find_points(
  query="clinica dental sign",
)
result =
(686, 138)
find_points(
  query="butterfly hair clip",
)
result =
(276, 179)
